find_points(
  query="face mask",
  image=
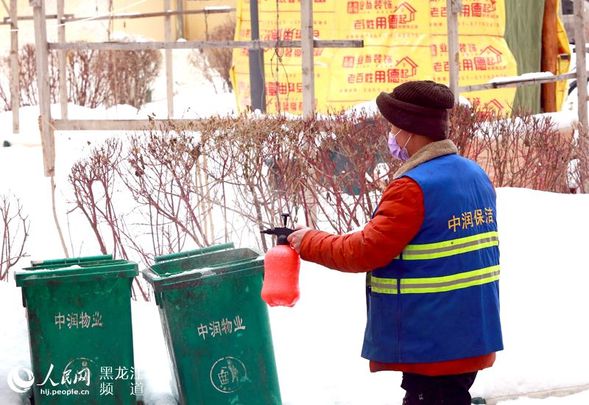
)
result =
(396, 150)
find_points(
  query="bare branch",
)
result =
(15, 227)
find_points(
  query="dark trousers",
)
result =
(438, 390)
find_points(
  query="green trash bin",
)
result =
(79, 319)
(216, 326)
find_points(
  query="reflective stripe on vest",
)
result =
(450, 247)
(382, 285)
(435, 284)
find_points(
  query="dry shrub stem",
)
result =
(14, 225)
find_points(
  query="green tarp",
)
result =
(523, 33)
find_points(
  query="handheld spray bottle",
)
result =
(281, 269)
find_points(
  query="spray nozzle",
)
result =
(280, 232)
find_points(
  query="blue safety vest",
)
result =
(439, 300)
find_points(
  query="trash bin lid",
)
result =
(204, 276)
(63, 263)
(68, 272)
(69, 261)
(195, 252)
(212, 258)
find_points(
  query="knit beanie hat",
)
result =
(419, 106)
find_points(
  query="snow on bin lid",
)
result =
(212, 258)
(195, 252)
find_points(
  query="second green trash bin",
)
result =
(216, 326)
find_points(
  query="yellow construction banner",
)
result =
(403, 40)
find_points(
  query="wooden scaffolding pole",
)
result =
(307, 58)
(45, 127)
(308, 73)
(517, 81)
(47, 138)
(180, 19)
(14, 68)
(168, 58)
(256, 62)
(452, 9)
(129, 16)
(63, 99)
(256, 44)
(581, 63)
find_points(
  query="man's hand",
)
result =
(296, 237)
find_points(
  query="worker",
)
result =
(431, 254)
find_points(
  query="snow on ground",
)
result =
(317, 343)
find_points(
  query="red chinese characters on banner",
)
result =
(480, 63)
(438, 12)
(292, 52)
(289, 106)
(350, 61)
(464, 49)
(490, 58)
(404, 70)
(441, 67)
(280, 88)
(476, 9)
(402, 15)
(286, 35)
(379, 23)
(356, 7)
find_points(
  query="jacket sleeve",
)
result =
(397, 220)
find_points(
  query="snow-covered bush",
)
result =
(328, 172)
(247, 170)
(517, 150)
(27, 81)
(87, 76)
(130, 75)
(109, 77)
(94, 77)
